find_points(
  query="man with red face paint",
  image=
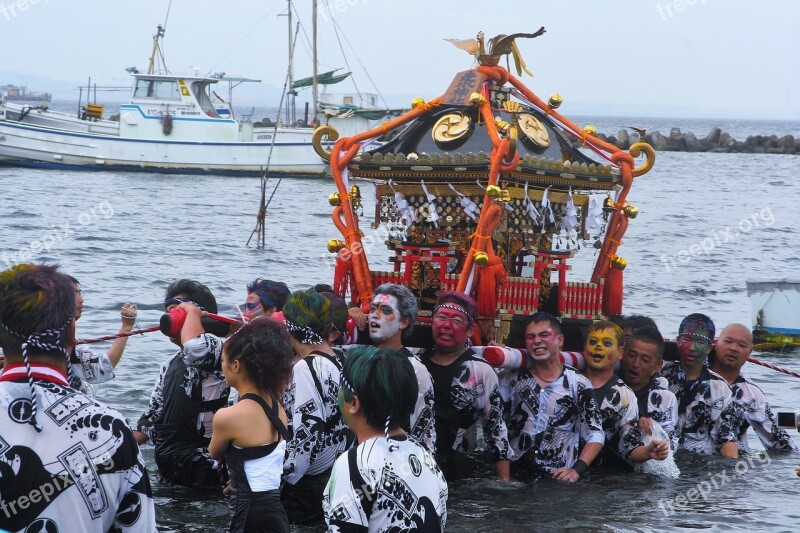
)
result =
(617, 403)
(465, 390)
(706, 414)
(392, 314)
(551, 409)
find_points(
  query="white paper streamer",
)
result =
(433, 216)
(470, 207)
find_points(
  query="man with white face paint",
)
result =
(392, 314)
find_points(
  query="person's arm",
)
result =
(591, 432)
(588, 454)
(221, 433)
(134, 504)
(423, 419)
(306, 413)
(200, 349)
(494, 428)
(766, 427)
(341, 504)
(725, 420)
(144, 427)
(128, 318)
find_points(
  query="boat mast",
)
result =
(314, 48)
(157, 50)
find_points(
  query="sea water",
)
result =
(707, 222)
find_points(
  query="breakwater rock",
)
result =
(716, 141)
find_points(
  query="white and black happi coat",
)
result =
(82, 472)
(386, 485)
(753, 410)
(550, 422)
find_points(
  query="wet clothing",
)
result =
(318, 434)
(83, 472)
(255, 510)
(619, 412)
(753, 410)
(656, 401)
(549, 424)
(386, 485)
(189, 389)
(707, 417)
(422, 424)
(465, 392)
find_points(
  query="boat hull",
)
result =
(38, 146)
(775, 306)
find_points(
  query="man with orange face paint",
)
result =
(616, 401)
(707, 415)
(551, 409)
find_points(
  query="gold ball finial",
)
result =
(590, 130)
(477, 99)
(334, 245)
(493, 191)
(555, 101)
(481, 258)
(334, 199)
(618, 263)
(417, 102)
(630, 211)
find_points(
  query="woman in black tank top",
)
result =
(257, 362)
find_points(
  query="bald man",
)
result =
(733, 348)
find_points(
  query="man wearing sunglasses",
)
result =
(189, 389)
(706, 414)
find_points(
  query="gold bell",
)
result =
(481, 258)
(608, 205)
(334, 199)
(334, 245)
(355, 192)
(555, 101)
(618, 263)
(590, 130)
(477, 99)
(506, 196)
(493, 191)
(630, 211)
(417, 102)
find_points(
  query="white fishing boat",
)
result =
(775, 305)
(174, 124)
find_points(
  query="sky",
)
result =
(681, 58)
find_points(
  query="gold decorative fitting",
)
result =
(618, 263)
(316, 140)
(334, 199)
(502, 125)
(608, 205)
(512, 107)
(535, 136)
(493, 191)
(355, 192)
(555, 101)
(481, 258)
(452, 130)
(417, 102)
(506, 196)
(590, 130)
(334, 245)
(630, 211)
(477, 99)
(650, 157)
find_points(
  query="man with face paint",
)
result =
(551, 409)
(392, 314)
(265, 297)
(707, 416)
(617, 403)
(465, 390)
(733, 348)
(641, 360)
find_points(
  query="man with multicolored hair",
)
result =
(66, 461)
(265, 297)
(706, 415)
(465, 391)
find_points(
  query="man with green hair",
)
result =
(388, 482)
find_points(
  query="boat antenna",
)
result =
(157, 51)
(262, 209)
